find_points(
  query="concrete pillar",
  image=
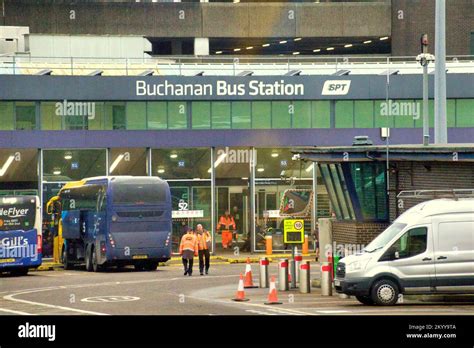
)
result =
(325, 238)
(201, 46)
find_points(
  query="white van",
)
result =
(428, 250)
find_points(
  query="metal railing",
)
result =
(215, 65)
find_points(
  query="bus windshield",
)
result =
(17, 213)
(138, 193)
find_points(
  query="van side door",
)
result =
(411, 259)
(454, 253)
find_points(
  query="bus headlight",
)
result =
(114, 217)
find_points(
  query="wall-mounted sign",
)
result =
(293, 231)
(176, 214)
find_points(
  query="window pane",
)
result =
(6, 116)
(98, 122)
(381, 115)
(220, 115)
(344, 114)
(25, 115)
(241, 115)
(177, 115)
(136, 115)
(412, 243)
(281, 117)
(182, 163)
(302, 114)
(115, 115)
(201, 115)
(157, 115)
(321, 114)
(261, 115)
(405, 112)
(465, 112)
(364, 113)
(75, 122)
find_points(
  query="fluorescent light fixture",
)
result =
(275, 154)
(116, 162)
(249, 47)
(298, 39)
(260, 170)
(218, 161)
(317, 50)
(367, 41)
(161, 171)
(57, 172)
(67, 157)
(330, 49)
(266, 45)
(348, 45)
(236, 1)
(218, 52)
(174, 155)
(236, 49)
(310, 168)
(383, 38)
(7, 164)
(283, 41)
(244, 178)
(295, 53)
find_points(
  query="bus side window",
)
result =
(101, 199)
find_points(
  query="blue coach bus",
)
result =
(112, 221)
(20, 234)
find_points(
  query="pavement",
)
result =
(167, 292)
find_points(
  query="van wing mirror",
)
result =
(396, 255)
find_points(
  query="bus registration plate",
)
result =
(140, 256)
(6, 260)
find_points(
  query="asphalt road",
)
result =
(166, 291)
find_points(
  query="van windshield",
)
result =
(383, 238)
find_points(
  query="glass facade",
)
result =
(162, 115)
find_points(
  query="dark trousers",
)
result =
(204, 260)
(188, 265)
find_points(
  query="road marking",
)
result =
(337, 311)
(14, 312)
(110, 299)
(259, 312)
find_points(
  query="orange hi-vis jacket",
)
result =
(203, 239)
(227, 221)
(189, 241)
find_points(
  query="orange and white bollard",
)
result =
(240, 295)
(305, 278)
(326, 282)
(298, 260)
(248, 283)
(283, 275)
(269, 244)
(305, 248)
(272, 294)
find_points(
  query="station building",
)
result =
(222, 139)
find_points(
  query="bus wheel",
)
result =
(139, 266)
(151, 266)
(88, 259)
(67, 264)
(23, 271)
(95, 266)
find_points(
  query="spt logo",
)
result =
(336, 87)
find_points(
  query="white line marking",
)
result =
(333, 311)
(14, 312)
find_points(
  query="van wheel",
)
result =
(367, 300)
(88, 259)
(385, 292)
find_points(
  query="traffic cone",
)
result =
(240, 296)
(272, 294)
(248, 284)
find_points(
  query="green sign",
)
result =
(293, 231)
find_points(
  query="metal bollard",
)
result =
(292, 270)
(264, 278)
(283, 275)
(298, 260)
(326, 281)
(305, 278)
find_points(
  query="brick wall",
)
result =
(360, 233)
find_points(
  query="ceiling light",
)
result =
(330, 49)
(283, 42)
(161, 171)
(310, 168)
(236, 49)
(275, 154)
(348, 45)
(236, 1)
(68, 156)
(6, 165)
(218, 52)
(174, 155)
(56, 172)
(244, 178)
(249, 47)
(260, 170)
(295, 53)
(266, 45)
(317, 50)
(218, 161)
(116, 162)
(384, 38)
(298, 39)
(367, 41)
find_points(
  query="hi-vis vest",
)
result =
(189, 242)
(228, 222)
(203, 239)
